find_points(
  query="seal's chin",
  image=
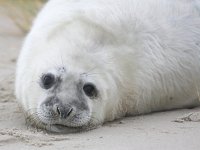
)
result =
(62, 128)
(58, 128)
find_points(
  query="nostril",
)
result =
(58, 111)
(69, 112)
(63, 112)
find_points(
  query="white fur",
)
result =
(144, 55)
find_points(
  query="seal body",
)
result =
(91, 61)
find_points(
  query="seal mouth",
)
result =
(80, 121)
(58, 127)
(53, 124)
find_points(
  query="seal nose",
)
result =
(63, 111)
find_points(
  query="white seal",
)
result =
(91, 61)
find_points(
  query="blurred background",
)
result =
(19, 12)
(16, 18)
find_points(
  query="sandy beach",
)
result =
(157, 131)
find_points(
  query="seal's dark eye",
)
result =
(48, 80)
(90, 90)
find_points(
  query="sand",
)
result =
(157, 131)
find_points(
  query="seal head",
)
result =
(66, 101)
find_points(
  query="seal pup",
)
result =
(92, 61)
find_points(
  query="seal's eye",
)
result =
(48, 80)
(90, 90)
